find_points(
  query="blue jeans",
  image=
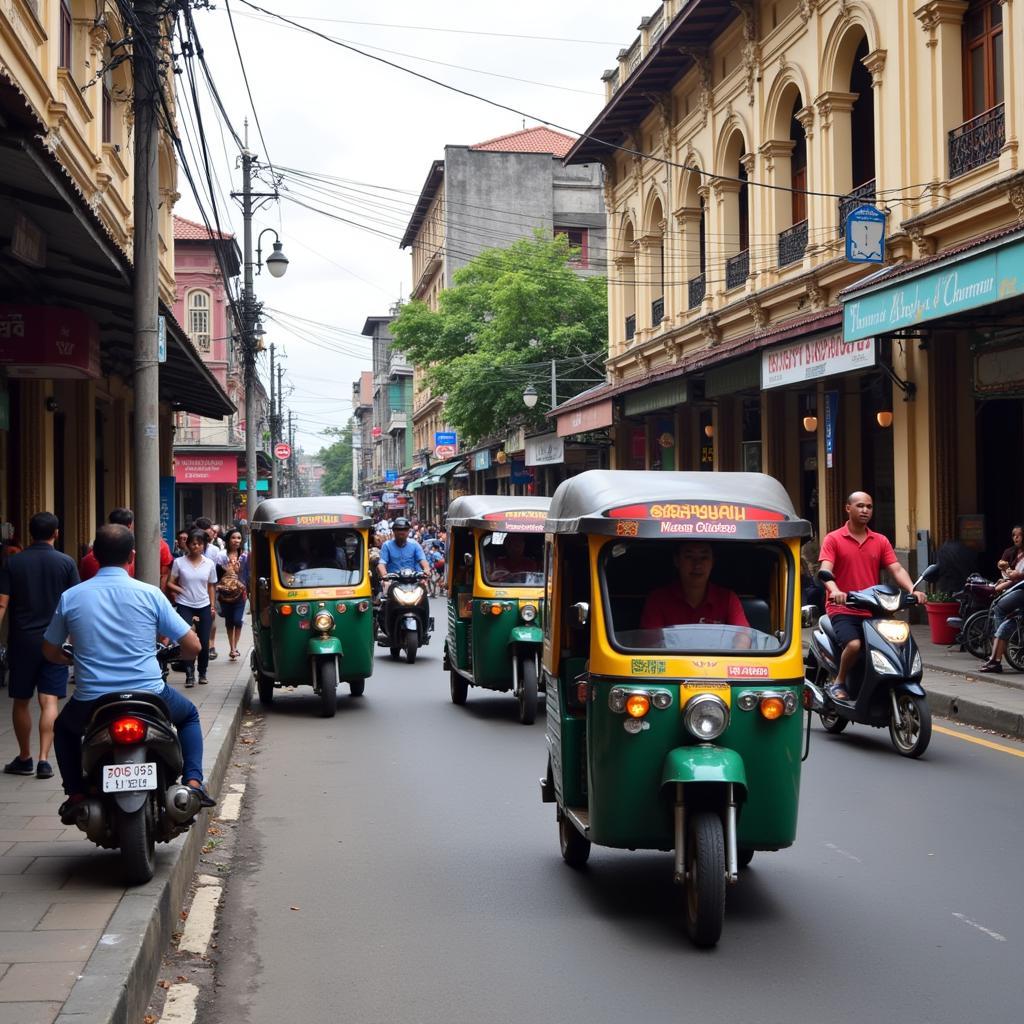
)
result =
(205, 617)
(1003, 611)
(75, 715)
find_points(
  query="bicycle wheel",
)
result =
(977, 638)
(1015, 647)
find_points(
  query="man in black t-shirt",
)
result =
(31, 584)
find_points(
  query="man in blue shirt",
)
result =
(401, 553)
(113, 621)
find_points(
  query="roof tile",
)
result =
(530, 140)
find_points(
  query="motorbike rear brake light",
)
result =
(772, 708)
(286, 609)
(637, 705)
(127, 731)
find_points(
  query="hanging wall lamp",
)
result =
(884, 418)
(810, 423)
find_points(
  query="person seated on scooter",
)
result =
(1005, 611)
(400, 552)
(113, 621)
(692, 598)
(856, 556)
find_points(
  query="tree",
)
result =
(509, 312)
(337, 460)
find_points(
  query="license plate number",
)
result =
(120, 777)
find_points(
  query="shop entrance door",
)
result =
(1000, 433)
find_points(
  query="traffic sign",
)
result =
(865, 235)
(282, 451)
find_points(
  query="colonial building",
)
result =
(737, 138)
(390, 432)
(362, 432)
(487, 196)
(66, 318)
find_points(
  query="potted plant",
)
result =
(939, 607)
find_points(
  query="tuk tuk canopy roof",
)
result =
(695, 506)
(500, 513)
(310, 513)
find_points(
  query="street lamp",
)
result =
(530, 396)
(277, 262)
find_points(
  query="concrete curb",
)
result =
(118, 979)
(979, 711)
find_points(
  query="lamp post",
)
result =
(530, 394)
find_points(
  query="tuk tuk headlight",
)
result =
(706, 716)
(528, 612)
(882, 665)
(323, 622)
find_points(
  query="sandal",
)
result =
(837, 692)
(233, 655)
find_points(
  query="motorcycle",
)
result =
(886, 682)
(404, 621)
(132, 761)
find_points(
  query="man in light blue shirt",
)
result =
(401, 553)
(113, 621)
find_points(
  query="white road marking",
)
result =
(844, 853)
(180, 1007)
(201, 919)
(230, 807)
(238, 787)
(981, 928)
(207, 880)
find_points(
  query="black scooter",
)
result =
(886, 682)
(404, 620)
(131, 759)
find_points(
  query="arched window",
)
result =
(628, 272)
(199, 320)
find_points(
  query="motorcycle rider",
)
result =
(400, 552)
(113, 621)
(856, 556)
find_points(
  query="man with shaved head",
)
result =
(856, 556)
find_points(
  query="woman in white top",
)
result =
(192, 585)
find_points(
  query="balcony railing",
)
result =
(657, 311)
(977, 141)
(397, 421)
(630, 326)
(696, 287)
(737, 269)
(861, 195)
(633, 58)
(792, 244)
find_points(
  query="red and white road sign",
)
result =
(282, 451)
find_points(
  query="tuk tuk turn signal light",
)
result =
(496, 608)
(637, 705)
(363, 606)
(286, 609)
(772, 708)
(127, 731)
(341, 607)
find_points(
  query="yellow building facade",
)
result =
(737, 137)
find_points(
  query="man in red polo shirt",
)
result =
(856, 557)
(692, 598)
(88, 566)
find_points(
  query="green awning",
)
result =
(437, 473)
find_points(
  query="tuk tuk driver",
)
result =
(400, 552)
(692, 598)
(513, 557)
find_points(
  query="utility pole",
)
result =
(248, 334)
(554, 388)
(274, 429)
(146, 294)
(293, 488)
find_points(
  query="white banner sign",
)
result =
(813, 358)
(546, 450)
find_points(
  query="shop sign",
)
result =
(206, 469)
(661, 396)
(813, 358)
(546, 450)
(49, 343)
(968, 283)
(446, 444)
(375, 432)
(261, 485)
(167, 509)
(831, 419)
(999, 371)
(390, 476)
(519, 474)
(588, 417)
(481, 460)
(970, 531)
(28, 243)
(516, 441)
(739, 375)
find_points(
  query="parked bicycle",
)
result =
(979, 631)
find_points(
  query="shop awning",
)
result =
(437, 474)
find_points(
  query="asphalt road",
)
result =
(399, 867)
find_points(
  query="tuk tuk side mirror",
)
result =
(467, 559)
(825, 576)
(808, 615)
(582, 610)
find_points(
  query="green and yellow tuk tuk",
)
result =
(310, 596)
(674, 703)
(495, 577)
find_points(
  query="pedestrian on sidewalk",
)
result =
(214, 551)
(193, 581)
(31, 584)
(113, 622)
(231, 589)
(88, 566)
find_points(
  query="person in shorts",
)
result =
(31, 585)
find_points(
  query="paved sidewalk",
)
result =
(76, 947)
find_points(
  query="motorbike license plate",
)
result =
(117, 778)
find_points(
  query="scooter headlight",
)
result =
(528, 612)
(916, 666)
(706, 716)
(408, 596)
(323, 622)
(893, 630)
(882, 665)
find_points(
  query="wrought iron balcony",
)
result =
(977, 141)
(630, 326)
(792, 244)
(657, 311)
(861, 195)
(697, 286)
(737, 269)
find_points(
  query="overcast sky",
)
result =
(327, 110)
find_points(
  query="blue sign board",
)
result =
(831, 418)
(261, 485)
(519, 473)
(390, 475)
(865, 235)
(446, 437)
(482, 459)
(161, 339)
(167, 509)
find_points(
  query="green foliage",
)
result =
(337, 460)
(476, 349)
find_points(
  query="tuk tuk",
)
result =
(495, 582)
(674, 672)
(310, 595)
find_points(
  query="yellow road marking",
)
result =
(977, 739)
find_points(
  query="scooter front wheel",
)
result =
(910, 724)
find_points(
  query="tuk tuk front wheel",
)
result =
(458, 686)
(527, 695)
(705, 879)
(910, 725)
(265, 688)
(575, 848)
(327, 680)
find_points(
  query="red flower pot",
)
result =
(938, 611)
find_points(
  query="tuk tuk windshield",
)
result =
(320, 558)
(697, 596)
(513, 559)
